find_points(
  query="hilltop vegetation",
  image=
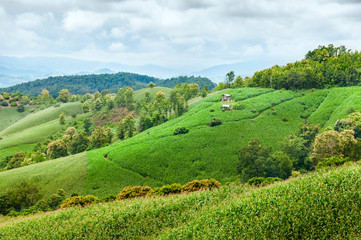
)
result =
(326, 66)
(82, 84)
(324, 204)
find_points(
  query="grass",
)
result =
(140, 94)
(36, 133)
(321, 205)
(41, 117)
(68, 173)
(156, 157)
(10, 116)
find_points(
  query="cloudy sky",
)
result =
(187, 33)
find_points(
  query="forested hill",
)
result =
(82, 84)
(325, 66)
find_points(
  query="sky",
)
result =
(191, 34)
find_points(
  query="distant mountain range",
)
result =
(18, 70)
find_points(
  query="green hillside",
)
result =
(10, 115)
(156, 157)
(321, 205)
(82, 84)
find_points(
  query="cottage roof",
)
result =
(226, 95)
(226, 106)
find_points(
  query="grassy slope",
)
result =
(9, 116)
(68, 173)
(156, 157)
(42, 117)
(323, 205)
(140, 94)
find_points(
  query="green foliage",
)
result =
(64, 95)
(57, 149)
(262, 181)
(332, 161)
(23, 195)
(132, 192)
(99, 137)
(20, 108)
(79, 143)
(180, 130)
(323, 67)
(79, 201)
(214, 122)
(204, 184)
(169, 189)
(151, 85)
(62, 118)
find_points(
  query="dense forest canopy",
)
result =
(322, 67)
(82, 84)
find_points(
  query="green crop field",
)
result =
(10, 115)
(41, 117)
(156, 157)
(68, 173)
(321, 205)
(140, 94)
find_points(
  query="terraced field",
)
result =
(156, 157)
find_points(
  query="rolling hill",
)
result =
(82, 84)
(324, 204)
(156, 157)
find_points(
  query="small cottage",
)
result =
(226, 107)
(226, 98)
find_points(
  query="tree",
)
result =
(79, 143)
(147, 98)
(129, 98)
(284, 164)
(16, 160)
(23, 195)
(64, 95)
(98, 104)
(62, 118)
(151, 85)
(20, 108)
(238, 83)
(159, 97)
(120, 98)
(99, 137)
(229, 79)
(45, 96)
(252, 159)
(204, 93)
(86, 107)
(57, 149)
(71, 132)
(296, 148)
(129, 126)
(87, 125)
(121, 130)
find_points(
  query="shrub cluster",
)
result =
(79, 201)
(262, 181)
(332, 161)
(201, 185)
(132, 192)
(215, 122)
(180, 130)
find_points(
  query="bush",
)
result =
(169, 189)
(262, 181)
(4, 103)
(20, 108)
(201, 185)
(13, 104)
(332, 161)
(215, 122)
(132, 192)
(285, 119)
(211, 110)
(110, 198)
(57, 105)
(180, 130)
(32, 110)
(73, 115)
(79, 201)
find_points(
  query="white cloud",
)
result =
(82, 21)
(32, 20)
(117, 47)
